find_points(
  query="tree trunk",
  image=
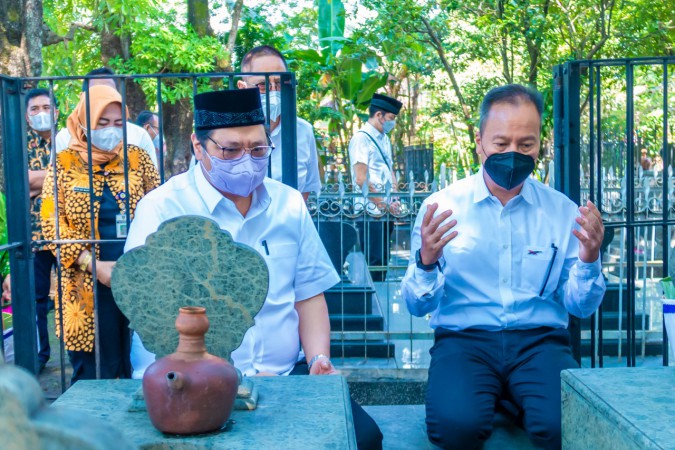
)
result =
(199, 17)
(232, 37)
(179, 117)
(467, 116)
(113, 46)
(20, 45)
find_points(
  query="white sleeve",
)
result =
(421, 290)
(359, 149)
(62, 140)
(313, 180)
(314, 272)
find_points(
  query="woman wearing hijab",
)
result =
(107, 162)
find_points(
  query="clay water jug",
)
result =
(190, 391)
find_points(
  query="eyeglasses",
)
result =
(274, 85)
(235, 153)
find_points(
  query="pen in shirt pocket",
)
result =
(267, 250)
(548, 269)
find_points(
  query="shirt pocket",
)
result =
(535, 267)
(281, 259)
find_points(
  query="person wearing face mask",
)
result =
(268, 59)
(229, 185)
(370, 157)
(136, 135)
(500, 260)
(41, 117)
(149, 121)
(98, 150)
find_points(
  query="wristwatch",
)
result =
(427, 267)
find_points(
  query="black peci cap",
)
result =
(227, 109)
(387, 103)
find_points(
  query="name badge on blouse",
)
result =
(121, 225)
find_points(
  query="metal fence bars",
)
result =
(14, 140)
(612, 121)
(370, 323)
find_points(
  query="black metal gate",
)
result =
(612, 122)
(13, 132)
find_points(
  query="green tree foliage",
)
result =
(437, 56)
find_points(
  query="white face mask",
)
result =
(155, 141)
(388, 125)
(275, 104)
(107, 138)
(41, 121)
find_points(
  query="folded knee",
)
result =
(461, 432)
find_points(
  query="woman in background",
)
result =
(74, 310)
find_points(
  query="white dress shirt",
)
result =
(299, 266)
(496, 267)
(363, 150)
(135, 136)
(308, 161)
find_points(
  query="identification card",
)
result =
(121, 225)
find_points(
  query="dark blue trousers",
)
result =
(42, 266)
(471, 371)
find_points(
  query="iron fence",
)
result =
(377, 322)
(605, 113)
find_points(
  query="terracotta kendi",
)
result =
(190, 391)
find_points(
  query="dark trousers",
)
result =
(374, 238)
(368, 434)
(472, 370)
(114, 343)
(42, 266)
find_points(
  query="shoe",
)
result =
(41, 366)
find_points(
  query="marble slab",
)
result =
(295, 412)
(190, 261)
(618, 408)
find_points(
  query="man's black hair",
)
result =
(202, 136)
(39, 92)
(372, 110)
(99, 71)
(144, 117)
(513, 94)
(262, 50)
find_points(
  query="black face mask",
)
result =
(508, 169)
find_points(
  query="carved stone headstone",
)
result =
(190, 261)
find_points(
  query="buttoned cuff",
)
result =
(589, 270)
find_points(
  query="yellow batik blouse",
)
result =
(74, 223)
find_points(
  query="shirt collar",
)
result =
(42, 142)
(481, 191)
(372, 131)
(207, 192)
(212, 197)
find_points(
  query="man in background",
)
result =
(41, 116)
(149, 121)
(268, 59)
(371, 158)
